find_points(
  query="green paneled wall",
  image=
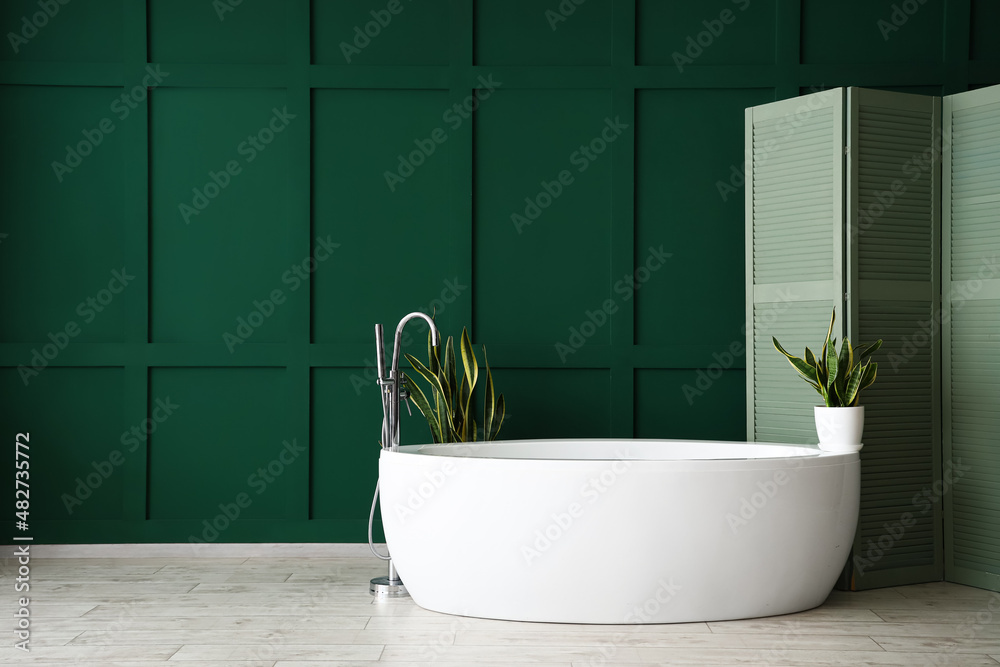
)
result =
(201, 273)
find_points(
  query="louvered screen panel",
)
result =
(894, 192)
(971, 207)
(784, 406)
(794, 237)
(900, 452)
(975, 191)
(975, 425)
(893, 199)
(793, 199)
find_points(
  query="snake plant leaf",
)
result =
(475, 431)
(462, 410)
(498, 418)
(434, 361)
(420, 400)
(846, 360)
(469, 360)
(810, 357)
(804, 368)
(868, 377)
(442, 374)
(853, 382)
(829, 332)
(448, 367)
(832, 365)
(490, 399)
(867, 349)
(821, 387)
(425, 373)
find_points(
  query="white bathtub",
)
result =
(618, 531)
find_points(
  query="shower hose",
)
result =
(371, 520)
(386, 437)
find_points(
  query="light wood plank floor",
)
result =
(305, 612)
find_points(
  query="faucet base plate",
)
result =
(383, 588)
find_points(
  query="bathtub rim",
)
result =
(804, 456)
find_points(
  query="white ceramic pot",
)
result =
(839, 429)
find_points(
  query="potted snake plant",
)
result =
(839, 377)
(449, 411)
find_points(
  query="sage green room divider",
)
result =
(843, 213)
(844, 203)
(970, 318)
(207, 204)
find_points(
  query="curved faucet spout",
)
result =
(391, 384)
(435, 336)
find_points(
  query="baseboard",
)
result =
(213, 550)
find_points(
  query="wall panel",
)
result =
(191, 31)
(679, 35)
(380, 163)
(226, 435)
(546, 34)
(72, 32)
(61, 188)
(548, 215)
(218, 212)
(684, 203)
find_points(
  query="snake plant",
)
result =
(452, 417)
(839, 378)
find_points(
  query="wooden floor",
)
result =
(305, 612)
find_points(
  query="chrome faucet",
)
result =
(392, 386)
(392, 391)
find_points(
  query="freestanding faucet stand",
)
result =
(392, 391)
